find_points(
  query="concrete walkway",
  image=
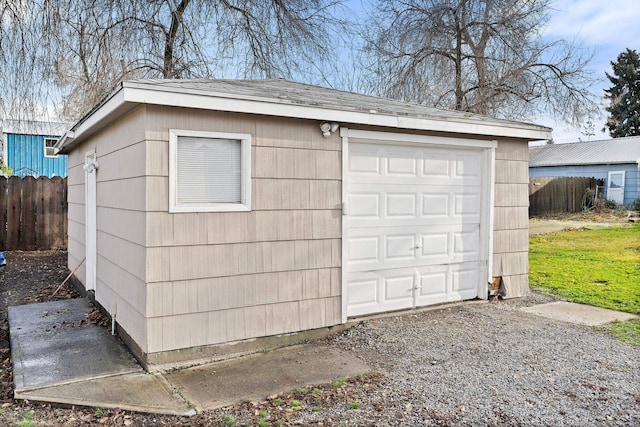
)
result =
(60, 357)
(578, 313)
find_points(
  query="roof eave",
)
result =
(130, 94)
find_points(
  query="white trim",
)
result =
(345, 211)
(245, 172)
(624, 176)
(487, 217)
(44, 143)
(400, 138)
(90, 227)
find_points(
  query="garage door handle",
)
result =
(418, 246)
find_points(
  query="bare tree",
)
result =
(82, 48)
(21, 77)
(481, 56)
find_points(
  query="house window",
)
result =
(209, 171)
(49, 147)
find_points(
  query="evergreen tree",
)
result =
(624, 96)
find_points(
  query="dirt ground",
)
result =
(593, 215)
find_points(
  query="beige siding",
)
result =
(220, 277)
(511, 217)
(121, 235)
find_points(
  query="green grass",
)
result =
(627, 332)
(595, 267)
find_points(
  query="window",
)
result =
(49, 147)
(209, 171)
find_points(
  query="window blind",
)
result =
(208, 171)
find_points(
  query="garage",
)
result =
(334, 205)
(416, 220)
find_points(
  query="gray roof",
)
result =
(610, 151)
(287, 92)
(30, 127)
(283, 98)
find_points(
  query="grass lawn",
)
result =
(595, 267)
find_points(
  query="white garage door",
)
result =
(412, 226)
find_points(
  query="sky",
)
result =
(607, 27)
(604, 27)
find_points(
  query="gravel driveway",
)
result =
(492, 364)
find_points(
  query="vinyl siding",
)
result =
(121, 236)
(270, 271)
(511, 217)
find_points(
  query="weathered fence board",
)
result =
(34, 213)
(559, 195)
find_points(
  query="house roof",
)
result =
(33, 127)
(610, 151)
(283, 98)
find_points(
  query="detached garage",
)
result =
(223, 214)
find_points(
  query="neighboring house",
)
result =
(214, 213)
(28, 148)
(616, 161)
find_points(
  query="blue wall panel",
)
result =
(25, 155)
(631, 178)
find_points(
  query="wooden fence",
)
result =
(560, 195)
(34, 213)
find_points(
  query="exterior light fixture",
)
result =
(328, 128)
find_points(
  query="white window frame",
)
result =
(245, 172)
(55, 141)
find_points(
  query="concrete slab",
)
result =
(59, 357)
(578, 313)
(256, 376)
(132, 392)
(52, 343)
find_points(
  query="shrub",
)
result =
(610, 204)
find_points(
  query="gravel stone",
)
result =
(493, 364)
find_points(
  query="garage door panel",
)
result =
(401, 166)
(464, 281)
(467, 166)
(436, 205)
(399, 246)
(364, 249)
(434, 285)
(467, 205)
(399, 288)
(434, 244)
(364, 205)
(466, 242)
(436, 166)
(379, 291)
(401, 205)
